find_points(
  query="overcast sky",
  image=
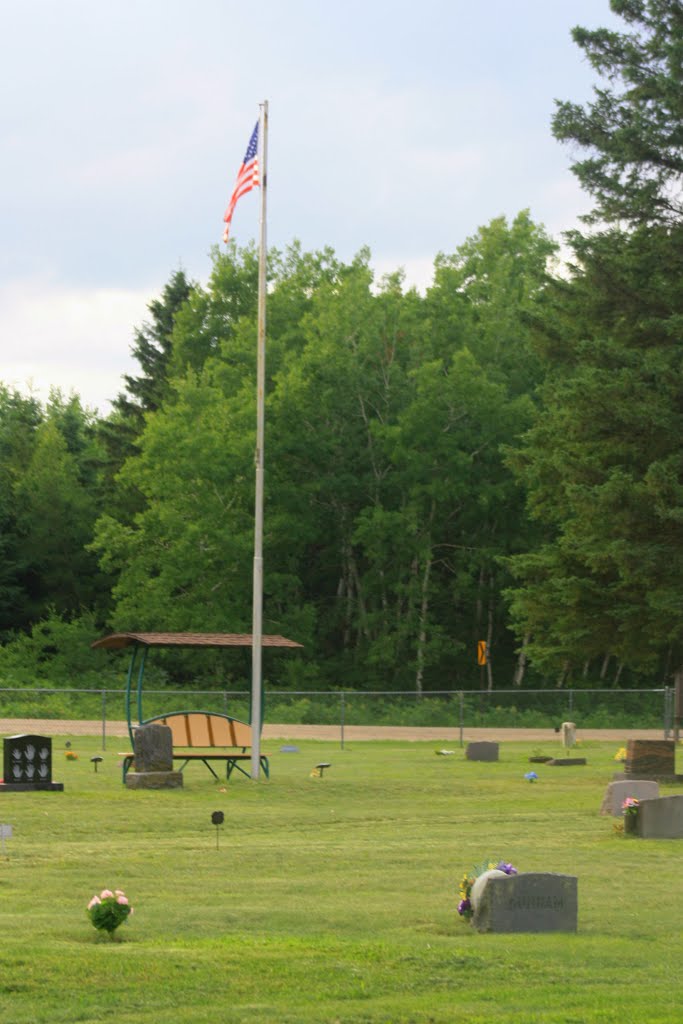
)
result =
(401, 126)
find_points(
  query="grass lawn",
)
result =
(331, 900)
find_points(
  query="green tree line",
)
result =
(497, 459)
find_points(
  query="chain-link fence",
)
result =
(528, 709)
(95, 712)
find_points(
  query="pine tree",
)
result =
(603, 464)
(633, 129)
(152, 349)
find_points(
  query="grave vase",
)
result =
(631, 823)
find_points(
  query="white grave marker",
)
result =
(5, 833)
(568, 735)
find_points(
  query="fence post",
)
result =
(104, 720)
(342, 706)
(668, 711)
(462, 715)
(665, 717)
(571, 703)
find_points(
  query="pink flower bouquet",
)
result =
(108, 910)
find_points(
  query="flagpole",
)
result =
(257, 599)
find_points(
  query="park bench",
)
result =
(206, 736)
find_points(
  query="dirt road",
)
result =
(66, 727)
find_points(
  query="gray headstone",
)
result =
(530, 902)
(153, 748)
(661, 819)
(481, 882)
(617, 792)
(482, 750)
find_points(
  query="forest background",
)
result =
(497, 459)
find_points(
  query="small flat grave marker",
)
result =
(529, 902)
(566, 761)
(482, 750)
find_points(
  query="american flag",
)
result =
(247, 178)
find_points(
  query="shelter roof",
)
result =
(118, 640)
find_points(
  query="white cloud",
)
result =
(126, 122)
(560, 203)
(419, 273)
(74, 339)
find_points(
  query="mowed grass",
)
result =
(332, 899)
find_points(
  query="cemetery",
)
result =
(476, 454)
(316, 895)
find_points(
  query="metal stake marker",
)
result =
(217, 819)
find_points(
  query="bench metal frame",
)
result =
(231, 763)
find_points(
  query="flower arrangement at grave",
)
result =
(629, 810)
(466, 906)
(108, 910)
(531, 776)
(71, 756)
(620, 754)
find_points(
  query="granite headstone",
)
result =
(27, 764)
(482, 750)
(153, 748)
(660, 819)
(153, 745)
(650, 759)
(529, 902)
(616, 793)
